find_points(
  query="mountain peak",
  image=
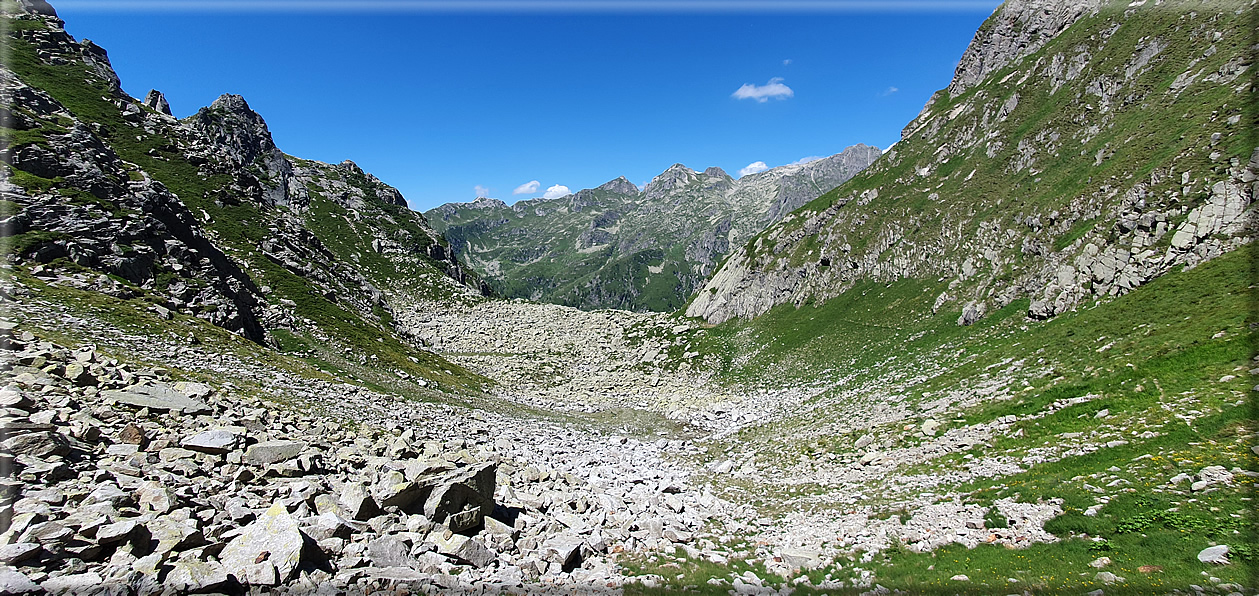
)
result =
(620, 185)
(715, 172)
(232, 137)
(230, 102)
(675, 177)
(39, 7)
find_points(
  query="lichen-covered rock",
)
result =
(273, 539)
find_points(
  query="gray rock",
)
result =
(12, 398)
(463, 498)
(215, 442)
(191, 575)
(154, 496)
(156, 101)
(79, 375)
(109, 493)
(1214, 555)
(38, 444)
(116, 532)
(564, 549)
(971, 313)
(395, 574)
(18, 553)
(275, 533)
(13, 581)
(258, 574)
(78, 583)
(1107, 577)
(329, 525)
(157, 397)
(173, 534)
(270, 452)
(388, 551)
(357, 504)
(675, 535)
(395, 491)
(50, 532)
(1211, 476)
(802, 558)
(463, 548)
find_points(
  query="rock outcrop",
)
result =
(204, 216)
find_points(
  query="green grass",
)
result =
(28, 241)
(1076, 232)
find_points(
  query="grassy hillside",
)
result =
(1113, 154)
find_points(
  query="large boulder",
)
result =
(38, 444)
(464, 549)
(272, 540)
(271, 452)
(157, 397)
(215, 442)
(463, 498)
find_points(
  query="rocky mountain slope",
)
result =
(1082, 150)
(615, 246)
(204, 216)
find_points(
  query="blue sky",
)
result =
(445, 102)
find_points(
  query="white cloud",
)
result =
(556, 192)
(761, 93)
(481, 191)
(527, 188)
(752, 168)
(806, 159)
(787, 62)
(889, 91)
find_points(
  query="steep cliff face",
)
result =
(202, 216)
(1020, 28)
(618, 247)
(1081, 151)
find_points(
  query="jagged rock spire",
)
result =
(157, 101)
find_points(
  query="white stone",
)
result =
(1214, 555)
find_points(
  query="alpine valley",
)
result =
(1014, 353)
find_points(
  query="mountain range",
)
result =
(618, 246)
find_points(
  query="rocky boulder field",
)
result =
(126, 476)
(123, 478)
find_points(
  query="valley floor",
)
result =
(643, 453)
